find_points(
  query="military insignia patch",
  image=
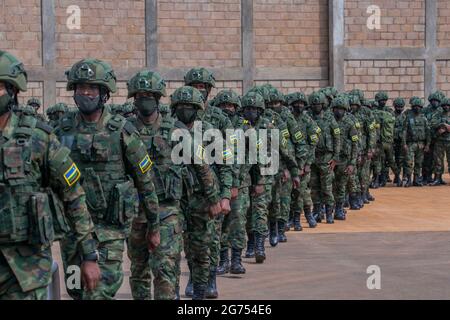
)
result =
(357, 125)
(336, 131)
(227, 154)
(284, 142)
(318, 130)
(145, 164)
(246, 121)
(355, 138)
(314, 138)
(285, 133)
(200, 153)
(72, 175)
(372, 126)
(298, 135)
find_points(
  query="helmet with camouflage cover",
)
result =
(296, 96)
(227, 96)
(199, 75)
(437, 95)
(253, 99)
(146, 81)
(357, 92)
(365, 102)
(187, 95)
(59, 107)
(12, 71)
(327, 92)
(275, 95)
(354, 100)
(263, 91)
(34, 101)
(381, 95)
(341, 102)
(91, 71)
(416, 101)
(445, 102)
(399, 102)
(28, 110)
(316, 97)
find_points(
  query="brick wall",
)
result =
(199, 33)
(443, 76)
(20, 30)
(289, 86)
(35, 90)
(402, 23)
(443, 23)
(400, 78)
(111, 30)
(291, 33)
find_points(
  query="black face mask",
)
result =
(5, 103)
(416, 109)
(435, 103)
(251, 115)
(381, 103)
(298, 110)
(146, 105)
(87, 105)
(228, 112)
(398, 110)
(186, 115)
(204, 93)
(338, 113)
(317, 108)
(446, 108)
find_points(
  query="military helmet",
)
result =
(316, 97)
(416, 101)
(91, 71)
(357, 92)
(354, 100)
(253, 99)
(399, 102)
(327, 92)
(275, 95)
(28, 110)
(437, 95)
(227, 96)
(59, 107)
(199, 75)
(263, 91)
(34, 101)
(381, 95)
(341, 101)
(296, 96)
(12, 71)
(187, 95)
(445, 102)
(146, 81)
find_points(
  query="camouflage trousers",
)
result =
(301, 198)
(385, 159)
(275, 204)
(197, 239)
(322, 184)
(364, 174)
(353, 183)
(33, 270)
(341, 180)
(399, 155)
(414, 158)
(259, 210)
(428, 161)
(233, 226)
(285, 200)
(164, 262)
(110, 259)
(441, 149)
(215, 229)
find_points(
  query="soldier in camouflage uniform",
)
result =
(233, 226)
(435, 100)
(147, 88)
(201, 202)
(36, 105)
(127, 110)
(440, 128)
(399, 105)
(416, 140)
(55, 113)
(40, 198)
(203, 80)
(115, 166)
(346, 166)
(301, 197)
(326, 157)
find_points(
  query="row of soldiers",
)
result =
(100, 181)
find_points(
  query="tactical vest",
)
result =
(29, 213)
(347, 138)
(111, 196)
(387, 121)
(416, 128)
(166, 176)
(398, 127)
(325, 143)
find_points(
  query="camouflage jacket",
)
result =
(329, 145)
(349, 139)
(366, 126)
(311, 132)
(440, 118)
(415, 128)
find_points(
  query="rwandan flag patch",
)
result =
(72, 175)
(145, 164)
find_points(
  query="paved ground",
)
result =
(405, 232)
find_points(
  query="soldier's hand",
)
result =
(286, 175)
(258, 189)
(225, 205)
(349, 170)
(296, 182)
(90, 274)
(442, 130)
(153, 240)
(215, 209)
(307, 169)
(234, 193)
(332, 164)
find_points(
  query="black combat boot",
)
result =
(375, 182)
(364, 198)
(297, 224)
(369, 196)
(236, 262)
(360, 198)
(189, 291)
(309, 217)
(250, 252)
(354, 203)
(329, 214)
(407, 181)
(224, 262)
(396, 179)
(260, 254)
(273, 233)
(347, 201)
(290, 222)
(382, 180)
(198, 292)
(438, 181)
(339, 211)
(417, 182)
(211, 290)
(281, 235)
(316, 213)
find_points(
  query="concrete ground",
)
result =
(405, 233)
